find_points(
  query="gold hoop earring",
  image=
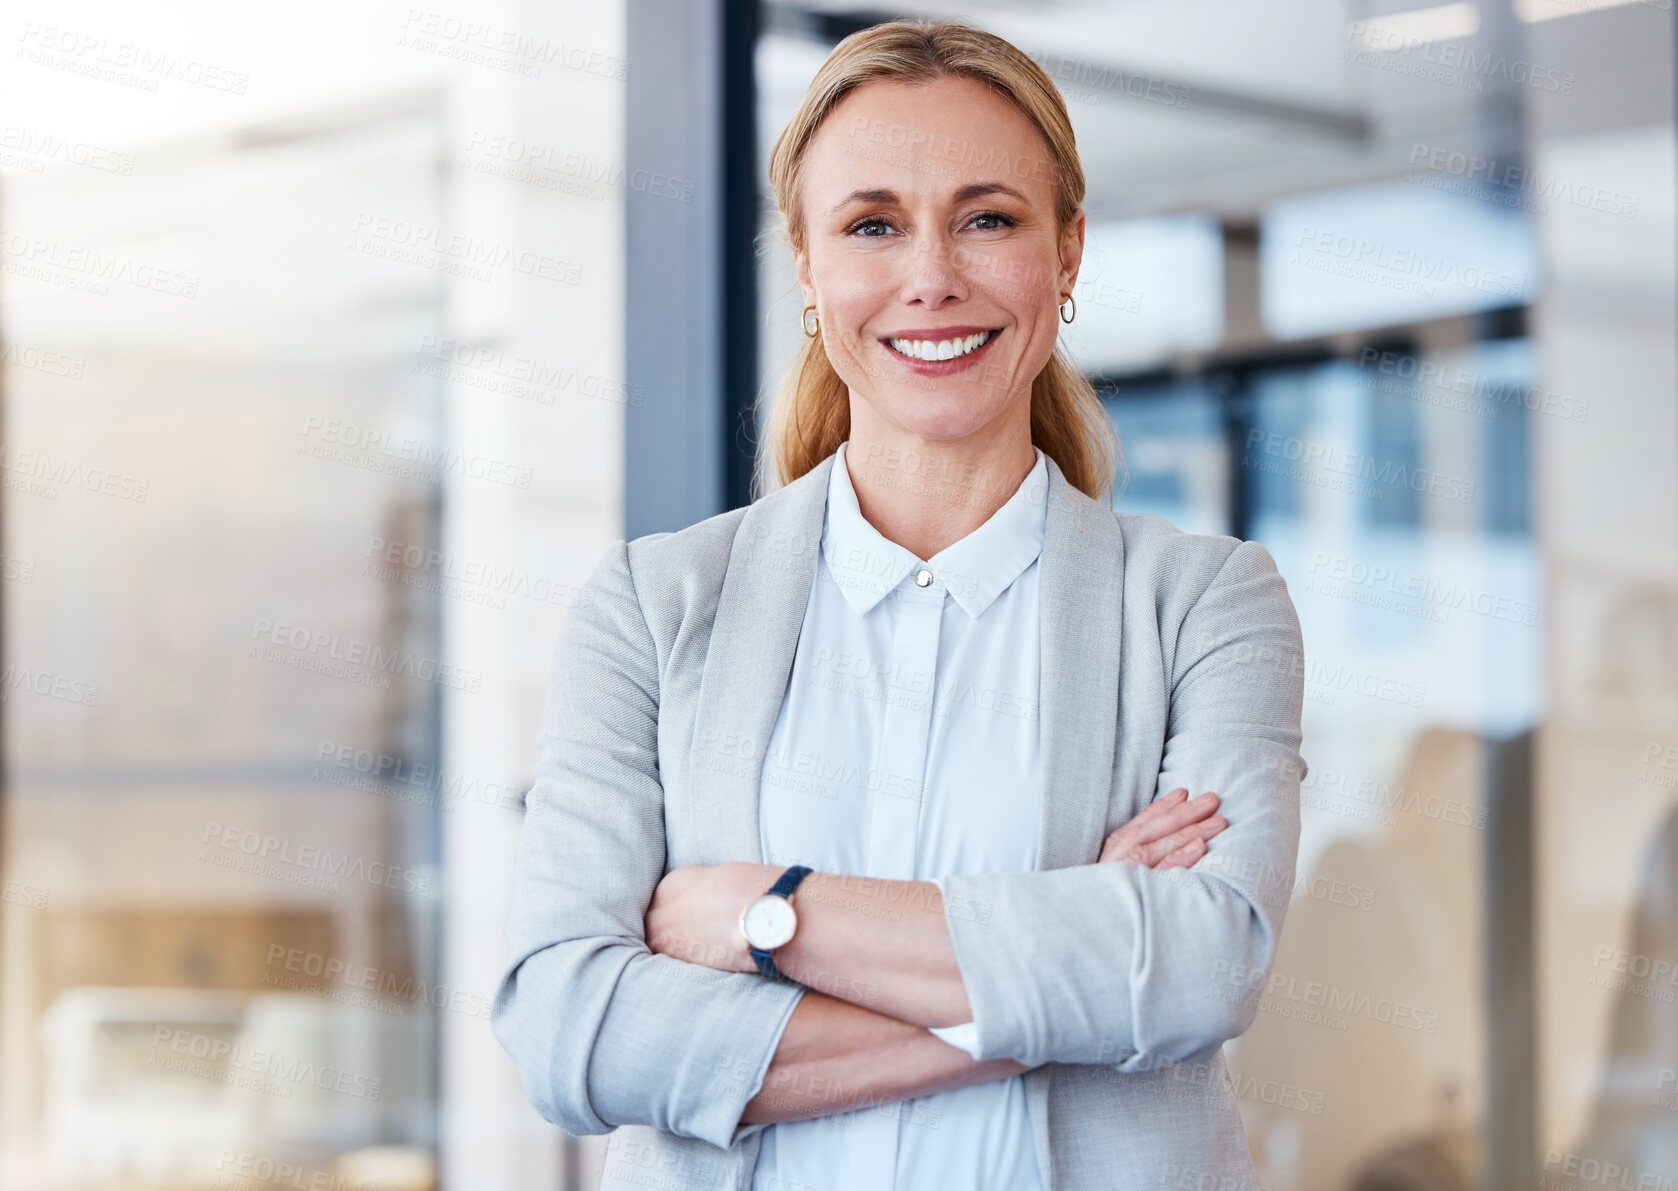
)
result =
(808, 331)
(1064, 317)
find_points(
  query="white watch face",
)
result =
(769, 922)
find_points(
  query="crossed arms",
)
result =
(607, 1030)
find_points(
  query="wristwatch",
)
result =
(769, 921)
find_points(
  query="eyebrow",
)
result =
(972, 190)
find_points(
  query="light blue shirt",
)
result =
(907, 749)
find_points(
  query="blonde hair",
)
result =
(812, 413)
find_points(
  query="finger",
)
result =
(1152, 824)
(1154, 821)
(1160, 820)
(1205, 830)
(1183, 857)
(1159, 806)
(1153, 853)
(1135, 831)
(1150, 854)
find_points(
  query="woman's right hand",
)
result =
(1170, 832)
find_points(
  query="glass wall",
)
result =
(311, 409)
(1393, 295)
(222, 919)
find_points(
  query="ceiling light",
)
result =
(1407, 30)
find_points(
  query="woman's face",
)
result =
(929, 215)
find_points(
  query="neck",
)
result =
(927, 494)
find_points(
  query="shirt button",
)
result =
(923, 577)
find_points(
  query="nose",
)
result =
(934, 273)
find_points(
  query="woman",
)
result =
(860, 853)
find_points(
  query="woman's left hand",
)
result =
(695, 913)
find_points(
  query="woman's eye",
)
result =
(873, 229)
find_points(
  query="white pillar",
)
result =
(534, 380)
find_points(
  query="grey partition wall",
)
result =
(691, 214)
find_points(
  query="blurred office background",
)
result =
(337, 340)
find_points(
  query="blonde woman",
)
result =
(860, 854)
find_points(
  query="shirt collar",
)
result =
(867, 565)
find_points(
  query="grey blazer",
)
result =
(1168, 659)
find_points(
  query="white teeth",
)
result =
(944, 349)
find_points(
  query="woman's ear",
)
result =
(801, 265)
(1072, 251)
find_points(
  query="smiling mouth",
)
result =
(941, 349)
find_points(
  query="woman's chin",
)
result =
(943, 419)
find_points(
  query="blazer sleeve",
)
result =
(603, 1031)
(1132, 968)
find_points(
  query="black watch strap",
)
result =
(783, 887)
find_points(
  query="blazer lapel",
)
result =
(1081, 597)
(1081, 591)
(748, 663)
